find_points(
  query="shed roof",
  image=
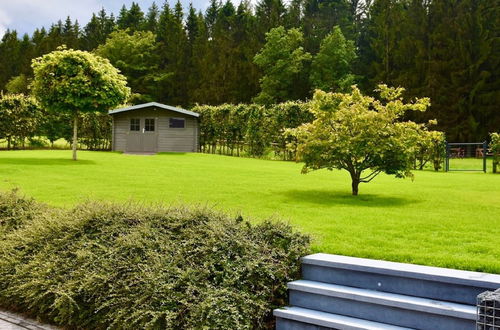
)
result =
(157, 105)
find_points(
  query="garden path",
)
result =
(12, 321)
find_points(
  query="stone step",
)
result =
(407, 279)
(297, 318)
(384, 307)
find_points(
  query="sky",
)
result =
(25, 16)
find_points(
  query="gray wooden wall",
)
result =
(169, 139)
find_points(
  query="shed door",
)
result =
(149, 136)
(142, 135)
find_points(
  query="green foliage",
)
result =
(102, 265)
(18, 85)
(17, 211)
(331, 67)
(21, 117)
(73, 81)
(97, 30)
(135, 55)
(495, 149)
(57, 126)
(356, 133)
(282, 61)
(172, 42)
(442, 49)
(431, 147)
(250, 128)
(95, 130)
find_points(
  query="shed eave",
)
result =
(154, 104)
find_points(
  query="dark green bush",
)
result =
(115, 266)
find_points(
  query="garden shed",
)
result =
(154, 127)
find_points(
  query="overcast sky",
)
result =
(26, 15)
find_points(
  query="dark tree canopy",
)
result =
(447, 50)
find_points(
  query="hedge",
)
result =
(250, 129)
(104, 265)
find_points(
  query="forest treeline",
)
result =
(447, 50)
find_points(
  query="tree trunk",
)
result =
(8, 143)
(355, 177)
(355, 184)
(75, 134)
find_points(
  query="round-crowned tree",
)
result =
(358, 133)
(75, 81)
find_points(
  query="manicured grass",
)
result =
(442, 219)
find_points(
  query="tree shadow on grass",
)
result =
(172, 153)
(44, 161)
(328, 197)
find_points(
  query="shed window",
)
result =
(149, 125)
(135, 124)
(177, 123)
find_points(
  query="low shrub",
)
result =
(16, 211)
(495, 149)
(103, 265)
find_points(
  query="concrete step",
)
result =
(407, 279)
(297, 318)
(389, 308)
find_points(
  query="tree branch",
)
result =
(371, 176)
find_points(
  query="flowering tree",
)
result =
(358, 133)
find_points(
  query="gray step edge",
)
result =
(386, 299)
(438, 274)
(329, 320)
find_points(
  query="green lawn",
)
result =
(443, 219)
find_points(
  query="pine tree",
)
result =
(211, 15)
(10, 53)
(320, 16)
(199, 75)
(172, 51)
(384, 36)
(269, 14)
(151, 22)
(70, 34)
(463, 70)
(97, 30)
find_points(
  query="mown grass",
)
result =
(442, 219)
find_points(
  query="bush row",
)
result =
(24, 122)
(250, 129)
(104, 265)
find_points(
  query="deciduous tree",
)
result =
(282, 60)
(358, 133)
(135, 55)
(331, 67)
(76, 81)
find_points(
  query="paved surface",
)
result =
(11, 321)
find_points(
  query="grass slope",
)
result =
(442, 219)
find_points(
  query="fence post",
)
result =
(447, 159)
(496, 158)
(485, 149)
